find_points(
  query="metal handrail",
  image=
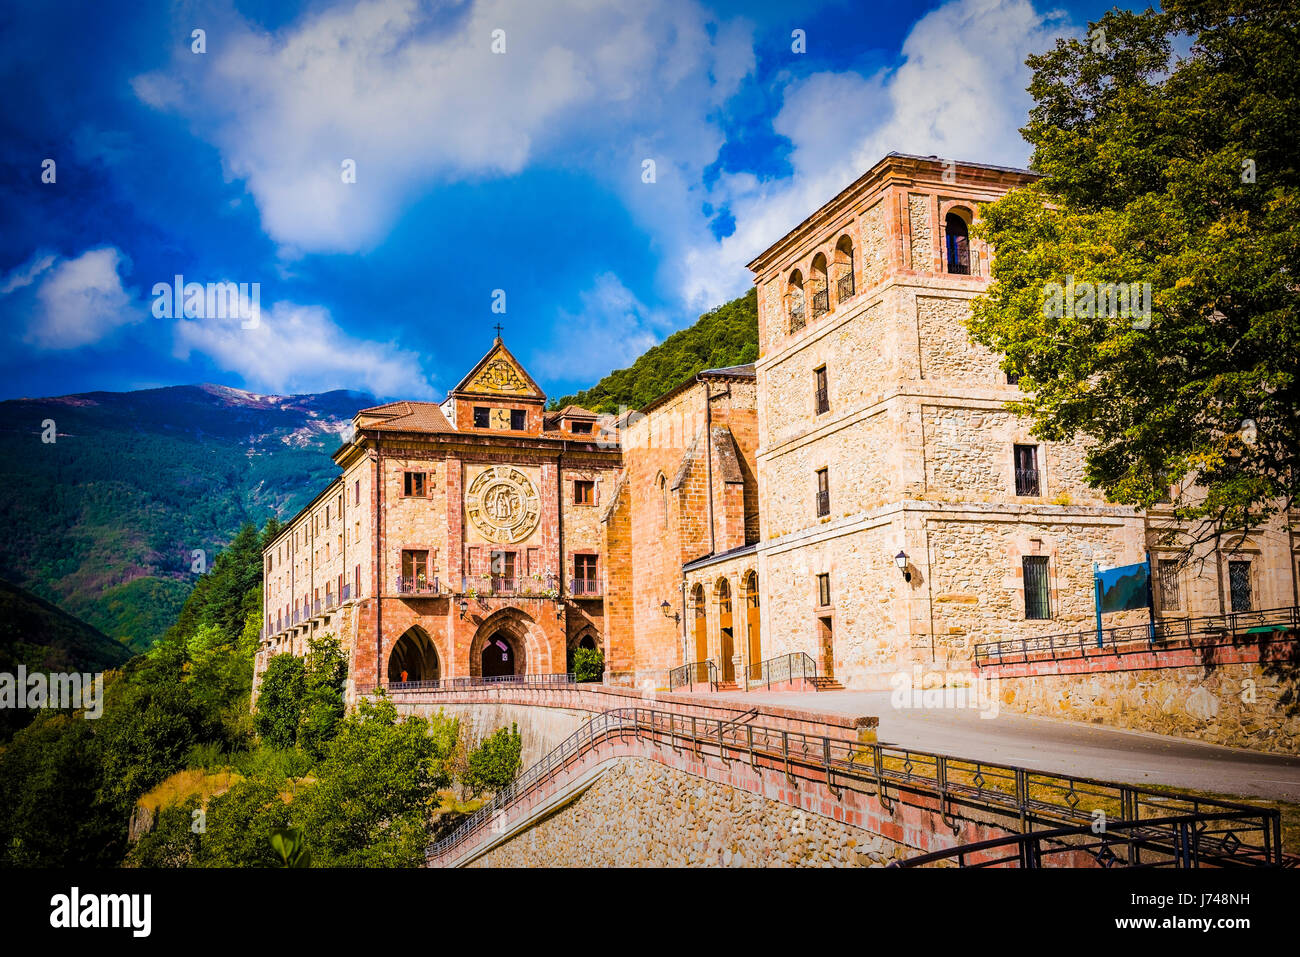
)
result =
(411, 585)
(478, 681)
(1076, 644)
(1027, 796)
(697, 672)
(1181, 840)
(1027, 482)
(821, 303)
(787, 667)
(845, 286)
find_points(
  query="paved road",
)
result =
(1045, 744)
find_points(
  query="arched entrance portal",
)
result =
(414, 658)
(726, 633)
(498, 656)
(500, 647)
(587, 639)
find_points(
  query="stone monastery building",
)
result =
(859, 495)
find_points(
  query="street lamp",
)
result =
(677, 619)
(464, 608)
(901, 561)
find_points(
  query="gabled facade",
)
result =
(460, 539)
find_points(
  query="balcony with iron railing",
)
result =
(821, 303)
(584, 586)
(798, 318)
(1027, 482)
(417, 585)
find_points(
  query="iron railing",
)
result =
(1220, 629)
(796, 312)
(823, 503)
(345, 593)
(584, 586)
(821, 303)
(1027, 482)
(695, 673)
(478, 681)
(417, 585)
(1209, 838)
(797, 665)
(844, 287)
(1024, 798)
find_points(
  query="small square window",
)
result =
(481, 420)
(417, 483)
(580, 428)
(1027, 477)
(518, 419)
(584, 492)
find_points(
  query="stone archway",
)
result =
(414, 656)
(586, 638)
(501, 645)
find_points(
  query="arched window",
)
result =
(661, 487)
(958, 244)
(794, 305)
(821, 295)
(844, 286)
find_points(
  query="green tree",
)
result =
(279, 703)
(727, 336)
(495, 762)
(1179, 172)
(374, 792)
(322, 705)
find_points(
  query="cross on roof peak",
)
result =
(498, 328)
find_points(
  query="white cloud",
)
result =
(296, 348)
(73, 302)
(412, 92)
(958, 92)
(610, 330)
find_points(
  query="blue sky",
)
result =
(475, 171)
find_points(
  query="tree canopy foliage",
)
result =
(727, 336)
(1178, 171)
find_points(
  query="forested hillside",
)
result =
(106, 519)
(727, 336)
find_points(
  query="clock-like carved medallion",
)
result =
(502, 504)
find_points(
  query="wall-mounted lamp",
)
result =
(464, 609)
(901, 561)
(677, 619)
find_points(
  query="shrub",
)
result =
(588, 665)
(279, 706)
(495, 762)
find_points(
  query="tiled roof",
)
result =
(745, 371)
(405, 417)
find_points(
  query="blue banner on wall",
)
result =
(1119, 589)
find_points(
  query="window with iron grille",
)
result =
(820, 394)
(1037, 591)
(1169, 597)
(824, 590)
(823, 493)
(1027, 478)
(1239, 584)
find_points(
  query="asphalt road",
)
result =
(1045, 744)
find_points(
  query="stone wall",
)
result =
(1235, 705)
(540, 729)
(643, 814)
